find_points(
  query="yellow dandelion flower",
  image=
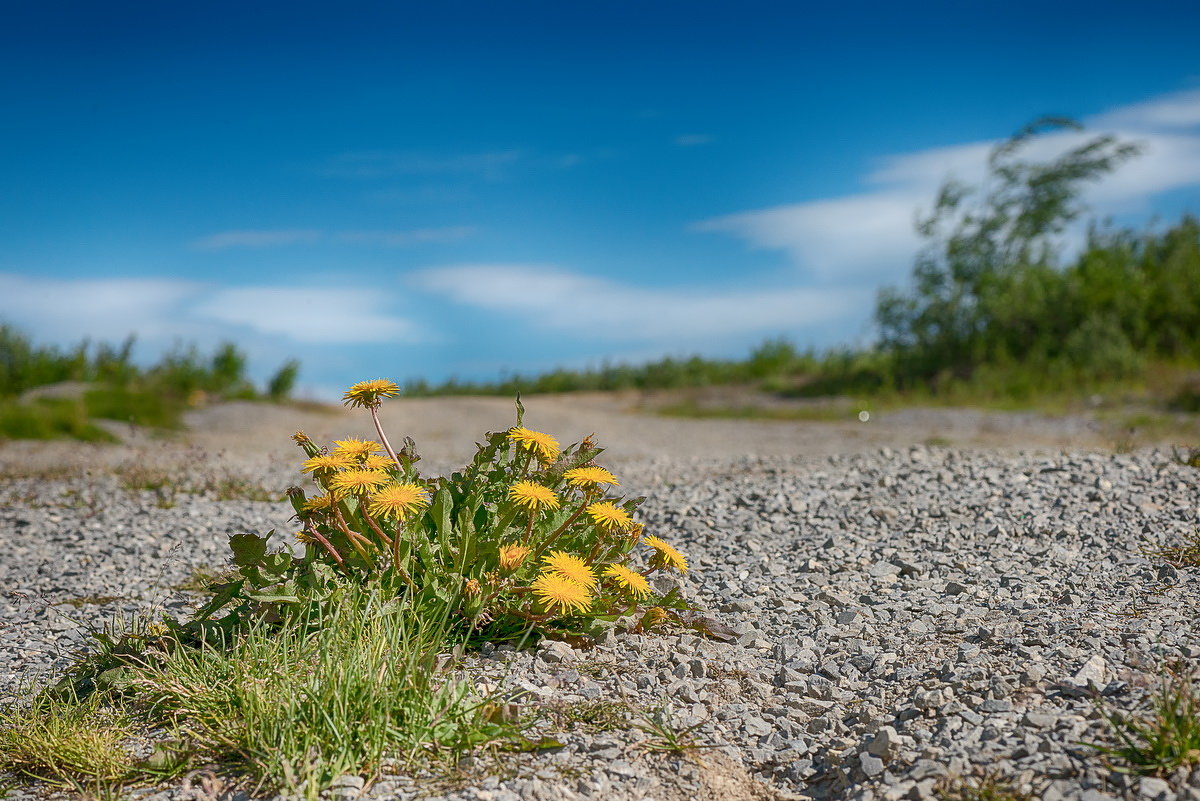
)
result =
(511, 556)
(359, 482)
(533, 496)
(354, 448)
(376, 461)
(608, 516)
(325, 463)
(633, 583)
(398, 501)
(589, 476)
(316, 503)
(472, 588)
(560, 594)
(369, 394)
(655, 616)
(156, 629)
(666, 555)
(305, 538)
(571, 567)
(544, 446)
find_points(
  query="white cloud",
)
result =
(586, 307)
(870, 236)
(308, 315)
(835, 240)
(1176, 110)
(65, 311)
(159, 311)
(256, 239)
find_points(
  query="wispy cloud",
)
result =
(590, 308)
(256, 239)
(230, 240)
(869, 235)
(399, 239)
(309, 315)
(388, 163)
(163, 310)
(691, 140)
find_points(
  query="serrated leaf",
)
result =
(248, 549)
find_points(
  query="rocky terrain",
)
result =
(908, 619)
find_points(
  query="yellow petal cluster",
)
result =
(559, 594)
(666, 554)
(608, 516)
(511, 556)
(589, 477)
(369, 394)
(544, 446)
(570, 567)
(359, 482)
(398, 501)
(633, 583)
(533, 496)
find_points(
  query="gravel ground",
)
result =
(903, 614)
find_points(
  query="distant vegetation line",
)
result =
(992, 313)
(113, 387)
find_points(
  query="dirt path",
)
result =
(445, 429)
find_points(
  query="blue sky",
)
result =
(465, 188)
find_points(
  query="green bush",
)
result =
(154, 396)
(49, 419)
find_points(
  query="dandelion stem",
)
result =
(559, 531)
(357, 541)
(319, 537)
(379, 531)
(387, 446)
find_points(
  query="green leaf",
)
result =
(248, 549)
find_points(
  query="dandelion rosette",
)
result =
(608, 516)
(633, 583)
(544, 446)
(398, 501)
(511, 556)
(370, 394)
(665, 555)
(590, 477)
(570, 567)
(533, 496)
(559, 594)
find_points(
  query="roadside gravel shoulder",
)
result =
(902, 616)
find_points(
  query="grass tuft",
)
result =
(294, 707)
(985, 787)
(1184, 555)
(67, 742)
(665, 735)
(1165, 739)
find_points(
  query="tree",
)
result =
(985, 280)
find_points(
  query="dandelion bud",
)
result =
(472, 588)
